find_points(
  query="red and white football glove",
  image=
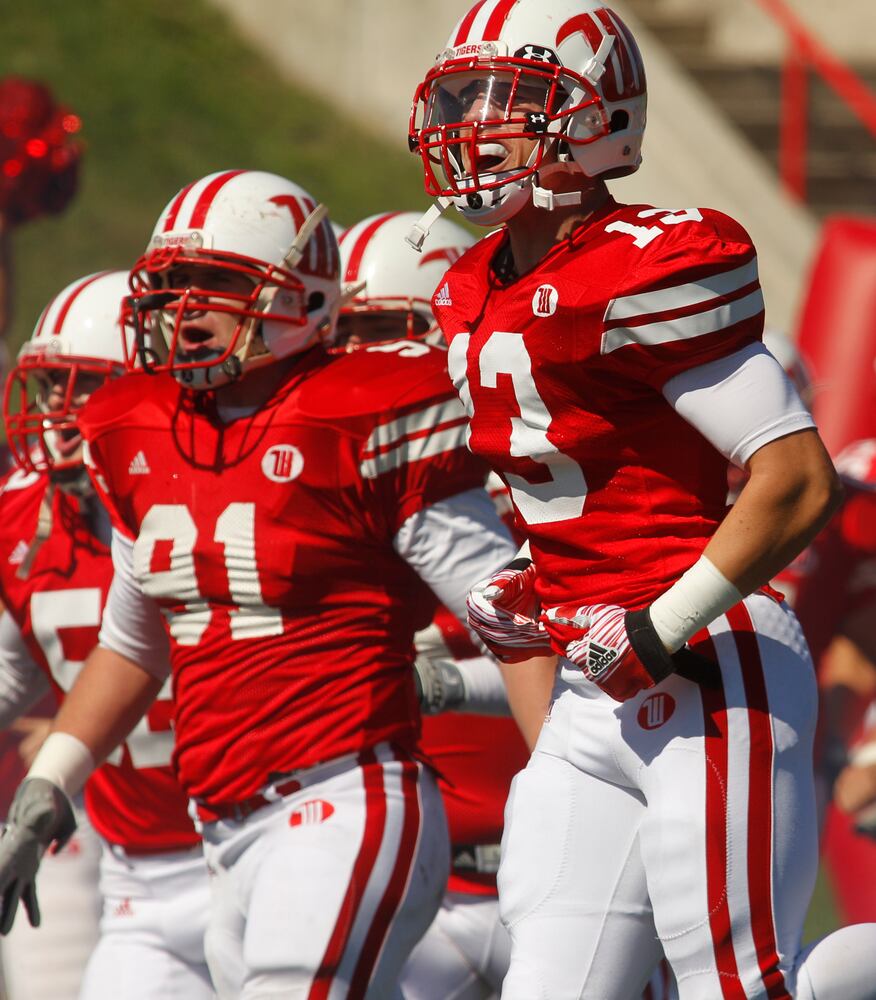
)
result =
(620, 650)
(504, 612)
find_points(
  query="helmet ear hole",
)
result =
(316, 300)
(620, 120)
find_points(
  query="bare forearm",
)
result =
(790, 495)
(109, 698)
(529, 685)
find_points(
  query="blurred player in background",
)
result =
(39, 164)
(55, 571)
(464, 954)
(833, 587)
(287, 517)
(610, 361)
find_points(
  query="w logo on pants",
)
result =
(314, 811)
(655, 710)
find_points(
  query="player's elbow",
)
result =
(820, 492)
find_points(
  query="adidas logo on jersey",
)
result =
(18, 554)
(139, 466)
(442, 296)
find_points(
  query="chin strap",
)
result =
(43, 530)
(545, 198)
(418, 232)
(350, 292)
(296, 251)
(595, 68)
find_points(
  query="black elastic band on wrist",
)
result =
(647, 646)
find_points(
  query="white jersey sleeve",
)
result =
(132, 624)
(22, 683)
(740, 402)
(455, 543)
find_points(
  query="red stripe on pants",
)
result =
(398, 883)
(716, 755)
(372, 838)
(760, 804)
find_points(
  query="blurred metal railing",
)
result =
(806, 53)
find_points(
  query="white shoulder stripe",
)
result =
(700, 323)
(413, 450)
(386, 434)
(680, 296)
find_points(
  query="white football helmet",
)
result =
(77, 344)
(249, 223)
(566, 74)
(383, 278)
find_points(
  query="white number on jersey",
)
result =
(643, 235)
(235, 531)
(562, 496)
(54, 610)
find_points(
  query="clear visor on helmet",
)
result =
(484, 125)
(496, 96)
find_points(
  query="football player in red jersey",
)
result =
(55, 571)
(286, 517)
(466, 951)
(609, 358)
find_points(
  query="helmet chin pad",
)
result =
(284, 336)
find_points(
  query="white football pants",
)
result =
(464, 955)
(323, 894)
(682, 820)
(155, 910)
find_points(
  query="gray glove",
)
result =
(40, 814)
(440, 686)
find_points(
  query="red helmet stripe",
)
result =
(208, 196)
(72, 297)
(361, 244)
(627, 77)
(318, 247)
(497, 19)
(624, 76)
(626, 36)
(170, 220)
(294, 205)
(466, 23)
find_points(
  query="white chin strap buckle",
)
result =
(547, 199)
(416, 237)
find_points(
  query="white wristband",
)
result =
(484, 688)
(696, 600)
(65, 761)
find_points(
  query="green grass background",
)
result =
(167, 93)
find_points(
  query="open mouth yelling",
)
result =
(489, 157)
